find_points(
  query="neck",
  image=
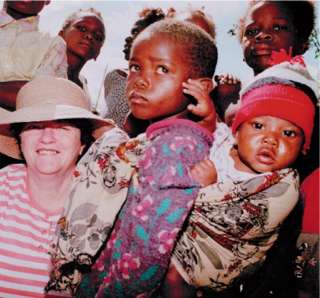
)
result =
(75, 65)
(49, 191)
(17, 15)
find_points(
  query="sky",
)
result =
(119, 17)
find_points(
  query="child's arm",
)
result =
(204, 172)
(203, 107)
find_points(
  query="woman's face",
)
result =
(51, 147)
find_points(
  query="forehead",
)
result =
(268, 9)
(88, 18)
(275, 121)
(159, 43)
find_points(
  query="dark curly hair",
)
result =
(302, 13)
(198, 48)
(146, 17)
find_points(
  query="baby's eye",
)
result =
(162, 69)
(289, 133)
(251, 32)
(257, 125)
(134, 68)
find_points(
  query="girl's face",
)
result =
(157, 69)
(268, 27)
(84, 37)
(51, 147)
(267, 143)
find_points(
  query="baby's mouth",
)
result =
(266, 156)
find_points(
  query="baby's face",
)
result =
(157, 69)
(267, 143)
(268, 27)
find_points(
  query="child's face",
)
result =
(84, 37)
(268, 27)
(157, 70)
(267, 143)
(27, 8)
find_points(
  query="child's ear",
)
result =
(207, 83)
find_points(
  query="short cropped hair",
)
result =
(82, 12)
(302, 13)
(199, 49)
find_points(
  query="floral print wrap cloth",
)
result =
(100, 187)
(232, 226)
(160, 197)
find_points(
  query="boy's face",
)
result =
(267, 143)
(84, 37)
(25, 8)
(268, 27)
(157, 69)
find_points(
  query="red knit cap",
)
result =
(281, 101)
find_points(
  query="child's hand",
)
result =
(203, 107)
(227, 79)
(204, 172)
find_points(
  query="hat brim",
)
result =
(45, 112)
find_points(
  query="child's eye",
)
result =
(162, 69)
(98, 37)
(278, 27)
(257, 125)
(251, 32)
(289, 133)
(82, 28)
(134, 68)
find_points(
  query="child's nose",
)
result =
(264, 36)
(88, 35)
(270, 139)
(142, 81)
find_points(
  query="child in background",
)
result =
(269, 26)
(84, 34)
(165, 70)
(236, 221)
(24, 51)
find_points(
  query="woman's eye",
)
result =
(32, 126)
(134, 68)
(289, 133)
(162, 69)
(257, 125)
(251, 32)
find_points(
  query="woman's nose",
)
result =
(47, 135)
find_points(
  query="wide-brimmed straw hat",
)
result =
(45, 99)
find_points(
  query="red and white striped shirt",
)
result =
(25, 234)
